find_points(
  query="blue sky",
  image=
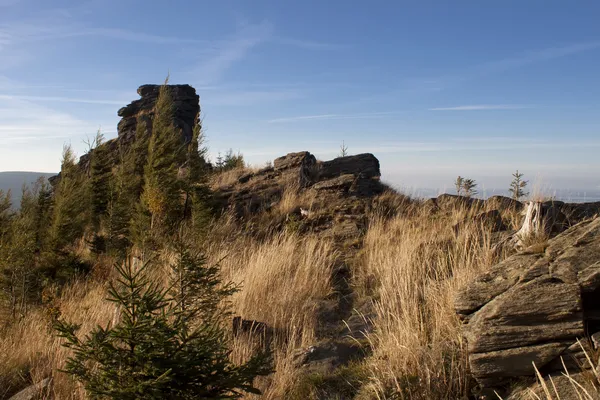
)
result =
(433, 88)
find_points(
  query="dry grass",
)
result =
(29, 352)
(284, 280)
(228, 178)
(415, 268)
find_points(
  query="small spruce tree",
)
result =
(343, 150)
(100, 175)
(161, 196)
(70, 216)
(518, 185)
(469, 187)
(167, 344)
(458, 184)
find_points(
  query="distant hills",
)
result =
(14, 180)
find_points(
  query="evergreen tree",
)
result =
(100, 174)
(518, 185)
(18, 278)
(5, 214)
(458, 184)
(163, 346)
(469, 187)
(198, 196)
(161, 196)
(43, 215)
(69, 218)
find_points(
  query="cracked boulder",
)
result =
(533, 307)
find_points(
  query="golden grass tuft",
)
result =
(415, 267)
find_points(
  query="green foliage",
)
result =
(230, 161)
(5, 213)
(161, 197)
(465, 186)
(343, 150)
(198, 195)
(458, 184)
(167, 343)
(469, 187)
(17, 252)
(518, 185)
(100, 174)
(70, 216)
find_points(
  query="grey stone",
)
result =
(533, 307)
(36, 391)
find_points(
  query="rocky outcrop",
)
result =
(365, 165)
(503, 203)
(186, 105)
(293, 160)
(533, 307)
(448, 202)
(490, 220)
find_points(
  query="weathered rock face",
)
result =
(366, 165)
(293, 160)
(533, 307)
(491, 220)
(185, 100)
(187, 110)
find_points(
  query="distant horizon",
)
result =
(574, 194)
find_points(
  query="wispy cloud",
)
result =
(483, 107)
(54, 99)
(535, 56)
(307, 44)
(230, 51)
(332, 116)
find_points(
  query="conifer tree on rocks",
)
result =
(100, 173)
(518, 185)
(161, 196)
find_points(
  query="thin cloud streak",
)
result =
(231, 51)
(332, 116)
(479, 107)
(61, 99)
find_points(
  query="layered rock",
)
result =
(533, 307)
(186, 104)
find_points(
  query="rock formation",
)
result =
(533, 307)
(187, 110)
(185, 100)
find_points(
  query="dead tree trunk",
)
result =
(533, 225)
(541, 220)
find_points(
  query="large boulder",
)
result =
(293, 160)
(186, 105)
(503, 203)
(491, 220)
(533, 307)
(448, 202)
(366, 165)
